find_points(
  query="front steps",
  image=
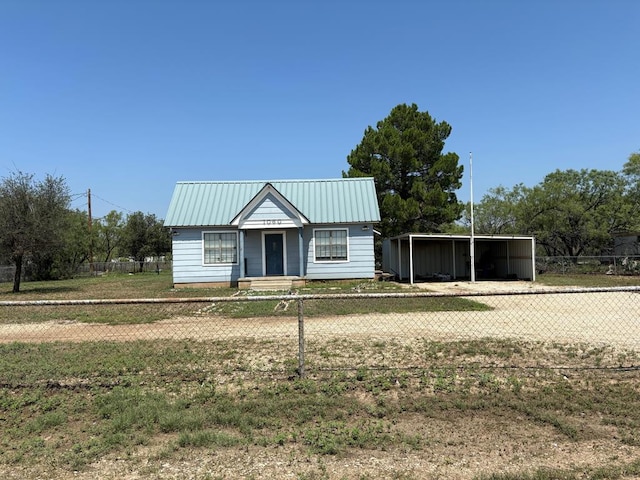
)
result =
(276, 283)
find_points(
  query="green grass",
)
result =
(107, 286)
(151, 285)
(588, 280)
(345, 306)
(68, 405)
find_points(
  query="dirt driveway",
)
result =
(519, 310)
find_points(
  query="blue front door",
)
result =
(273, 250)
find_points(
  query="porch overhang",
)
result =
(246, 220)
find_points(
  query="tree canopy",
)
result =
(110, 232)
(571, 212)
(574, 213)
(145, 236)
(415, 181)
(498, 213)
(34, 217)
(46, 240)
(631, 172)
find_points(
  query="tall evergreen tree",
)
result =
(415, 181)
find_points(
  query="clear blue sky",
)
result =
(128, 97)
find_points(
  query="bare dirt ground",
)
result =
(459, 452)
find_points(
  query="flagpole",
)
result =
(472, 245)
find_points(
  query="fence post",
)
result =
(300, 339)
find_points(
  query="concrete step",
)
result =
(271, 284)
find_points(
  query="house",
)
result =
(436, 257)
(246, 233)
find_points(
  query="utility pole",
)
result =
(90, 231)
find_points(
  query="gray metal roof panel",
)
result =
(344, 200)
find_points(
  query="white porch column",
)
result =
(241, 234)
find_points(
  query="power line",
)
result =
(111, 203)
(93, 195)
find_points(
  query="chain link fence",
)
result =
(7, 272)
(305, 335)
(608, 265)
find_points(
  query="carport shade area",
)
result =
(440, 257)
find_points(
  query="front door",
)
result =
(273, 254)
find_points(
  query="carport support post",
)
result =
(410, 259)
(300, 339)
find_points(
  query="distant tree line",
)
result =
(43, 233)
(571, 213)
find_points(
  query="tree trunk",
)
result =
(18, 275)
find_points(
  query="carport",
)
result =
(419, 257)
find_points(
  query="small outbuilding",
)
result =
(416, 257)
(250, 232)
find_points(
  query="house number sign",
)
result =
(272, 222)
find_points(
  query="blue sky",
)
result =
(128, 97)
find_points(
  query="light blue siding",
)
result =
(293, 253)
(187, 261)
(253, 253)
(361, 263)
(270, 209)
(188, 266)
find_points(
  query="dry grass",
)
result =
(225, 409)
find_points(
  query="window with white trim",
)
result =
(331, 245)
(220, 247)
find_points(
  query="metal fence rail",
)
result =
(306, 334)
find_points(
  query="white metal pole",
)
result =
(410, 259)
(472, 245)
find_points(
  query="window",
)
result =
(220, 247)
(331, 245)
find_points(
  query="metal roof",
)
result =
(459, 236)
(343, 200)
